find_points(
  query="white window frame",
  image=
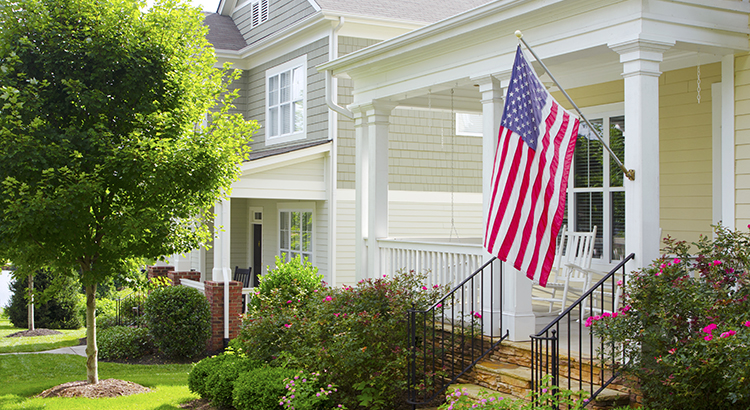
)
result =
(297, 207)
(463, 122)
(274, 104)
(604, 113)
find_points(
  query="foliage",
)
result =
(550, 398)
(179, 318)
(57, 303)
(294, 280)
(355, 337)
(261, 388)
(305, 392)
(684, 327)
(124, 342)
(103, 163)
(213, 378)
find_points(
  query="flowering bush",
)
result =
(683, 327)
(306, 392)
(549, 398)
(354, 337)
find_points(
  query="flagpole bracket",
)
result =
(630, 173)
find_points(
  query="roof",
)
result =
(255, 155)
(223, 34)
(428, 11)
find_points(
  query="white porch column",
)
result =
(221, 271)
(371, 123)
(640, 61)
(517, 313)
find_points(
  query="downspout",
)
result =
(329, 78)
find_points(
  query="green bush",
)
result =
(179, 319)
(124, 343)
(213, 378)
(684, 326)
(356, 337)
(105, 322)
(58, 303)
(261, 388)
(295, 281)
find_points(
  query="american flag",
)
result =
(530, 175)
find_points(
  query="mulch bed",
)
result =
(105, 388)
(35, 332)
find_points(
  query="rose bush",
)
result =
(683, 328)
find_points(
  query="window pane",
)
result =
(307, 241)
(617, 144)
(298, 84)
(286, 126)
(295, 221)
(299, 116)
(295, 243)
(618, 225)
(589, 212)
(284, 85)
(307, 222)
(588, 161)
(284, 216)
(273, 90)
(273, 121)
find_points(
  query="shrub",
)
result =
(179, 319)
(261, 388)
(356, 337)
(684, 327)
(306, 392)
(213, 378)
(550, 398)
(295, 280)
(123, 343)
(58, 303)
(105, 322)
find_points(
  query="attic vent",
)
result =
(260, 12)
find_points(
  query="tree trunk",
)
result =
(30, 306)
(92, 365)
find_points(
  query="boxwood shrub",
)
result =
(124, 343)
(213, 378)
(180, 321)
(261, 388)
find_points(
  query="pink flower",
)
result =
(708, 329)
(717, 262)
(727, 334)
(287, 325)
(589, 321)
(708, 337)
(328, 298)
(441, 305)
(288, 301)
(606, 314)
(672, 350)
(435, 286)
(619, 282)
(747, 324)
(424, 287)
(614, 315)
(477, 315)
(676, 261)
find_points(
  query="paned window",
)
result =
(296, 234)
(596, 196)
(285, 101)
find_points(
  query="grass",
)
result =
(24, 376)
(35, 344)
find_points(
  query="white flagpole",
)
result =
(630, 173)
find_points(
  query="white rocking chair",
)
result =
(571, 274)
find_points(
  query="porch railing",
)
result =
(443, 262)
(193, 284)
(451, 336)
(582, 367)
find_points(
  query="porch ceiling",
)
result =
(572, 36)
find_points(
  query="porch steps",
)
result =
(506, 373)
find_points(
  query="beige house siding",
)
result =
(685, 152)
(593, 95)
(742, 139)
(345, 239)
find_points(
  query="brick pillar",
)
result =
(176, 276)
(154, 271)
(215, 296)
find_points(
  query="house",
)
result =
(667, 81)
(296, 192)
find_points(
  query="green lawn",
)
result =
(35, 344)
(24, 376)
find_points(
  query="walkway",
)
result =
(79, 350)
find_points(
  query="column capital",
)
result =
(492, 86)
(641, 56)
(373, 111)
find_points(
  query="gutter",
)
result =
(329, 81)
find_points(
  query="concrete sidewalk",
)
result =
(79, 350)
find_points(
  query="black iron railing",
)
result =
(453, 334)
(588, 365)
(129, 309)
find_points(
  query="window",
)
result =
(596, 196)
(469, 124)
(285, 101)
(296, 234)
(259, 11)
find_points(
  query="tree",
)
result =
(56, 301)
(102, 161)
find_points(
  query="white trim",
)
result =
(286, 159)
(727, 142)
(314, 5)
(290, 66)
(716, 166)
(304, 206)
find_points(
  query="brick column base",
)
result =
(215, 296)
(154, 271)
(176, 276)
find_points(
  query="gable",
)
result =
(248, 15)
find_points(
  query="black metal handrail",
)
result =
(583, 372)
(446, 341)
